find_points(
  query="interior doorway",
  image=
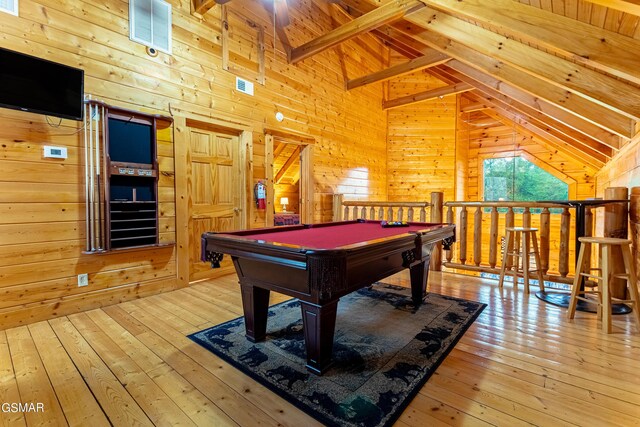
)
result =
(289, 178)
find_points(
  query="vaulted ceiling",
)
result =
(566, 70)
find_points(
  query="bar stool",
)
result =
(602, 282)
(521, 252)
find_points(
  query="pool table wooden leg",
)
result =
(255, 303)
(319, 322)
(419, 274)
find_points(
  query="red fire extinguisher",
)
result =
(260, 193)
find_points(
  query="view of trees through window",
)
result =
(522, 181)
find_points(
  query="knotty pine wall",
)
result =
(42, 218)
(421, 141)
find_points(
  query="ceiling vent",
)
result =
(9, 6)
(244, 86)
(150, 23)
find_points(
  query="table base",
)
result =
(561, 299)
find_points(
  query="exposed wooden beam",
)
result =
(592, 159)
(584, 43)
(591, 84)
(474, 107)
(363, 24)
(428, 60)
(596, 150)
(282, 13)
(537, 87)
(278, 147)
(551, 125)
(627, 6)
(200, 7)
(424, 96)
(290, 161)
(523, 101)
(395, 45)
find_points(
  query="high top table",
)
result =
(562, 299)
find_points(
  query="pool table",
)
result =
(318, 264)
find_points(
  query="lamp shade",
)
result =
(284, 200)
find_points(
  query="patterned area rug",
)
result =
(384, 351)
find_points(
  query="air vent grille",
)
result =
(244, 86)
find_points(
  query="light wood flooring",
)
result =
(521, 363)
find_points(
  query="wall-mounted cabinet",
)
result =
(122, 191)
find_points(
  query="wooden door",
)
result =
(216, 193)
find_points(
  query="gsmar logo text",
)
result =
(22, 407)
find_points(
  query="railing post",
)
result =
(363, 212)
(400, 213)
(390, 214)
(545, 217)
(337, 206)
(380, 213)
(588, 231)
(508, 222)
(477, 236)
(463, 235)
(437, 200)
(493, 237)
(526, 217)
(437, 206)
(563, 261)
(616, 224)
(450, 221)
(410, 214)
(345, 217)
(355, 212)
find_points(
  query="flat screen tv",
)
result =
(39, 86)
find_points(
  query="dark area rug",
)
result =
(384, 351)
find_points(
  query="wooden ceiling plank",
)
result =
(581, 107)
(427, 95)
(627, 6)
(489, 95)
(290, 161)
(428, 60)
(605, 90)
(389, 12)
(604, 50)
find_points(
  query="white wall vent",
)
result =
(244, 86)
(150, 23)
(9, 6)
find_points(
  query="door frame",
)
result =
(182, 129)
(306, 172)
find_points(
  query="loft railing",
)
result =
(480, 239)
(393, 211)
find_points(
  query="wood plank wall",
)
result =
(421, 148)
(41, 203)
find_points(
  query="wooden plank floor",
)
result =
(521, 363)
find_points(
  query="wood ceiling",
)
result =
(565, 70)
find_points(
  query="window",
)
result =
(150, 23)
(517, 179)
(9, 6)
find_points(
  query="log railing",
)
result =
(393, 211)
(480, 248)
